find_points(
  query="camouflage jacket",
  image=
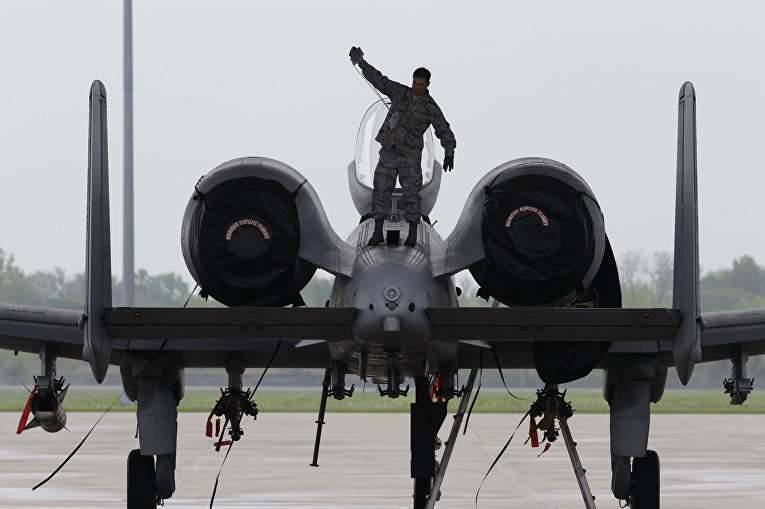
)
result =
(409, 116)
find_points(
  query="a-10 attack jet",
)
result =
(531, 234)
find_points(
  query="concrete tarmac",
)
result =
(708, 461)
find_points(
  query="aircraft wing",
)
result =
(725, 329)
(512, 331)
(27, 328)
(198, 333)
(507, 325)
(229, 323)
(553, 324)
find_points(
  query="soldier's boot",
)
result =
(377, 236)
(411, 239)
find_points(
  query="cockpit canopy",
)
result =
(368, 150)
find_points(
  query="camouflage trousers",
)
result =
(409, 172)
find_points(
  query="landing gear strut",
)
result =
(634, 468)
(156, 385)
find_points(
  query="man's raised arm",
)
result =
(386, 86)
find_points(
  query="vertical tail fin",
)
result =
(97, 348)
(687, 343)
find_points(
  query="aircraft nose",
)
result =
(384, 317)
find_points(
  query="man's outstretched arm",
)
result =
(378, 80)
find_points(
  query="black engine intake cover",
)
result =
(241, 239)
(532, 234)
(539, 238)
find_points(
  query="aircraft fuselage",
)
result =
(392, 287)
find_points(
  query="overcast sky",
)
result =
(591, 84)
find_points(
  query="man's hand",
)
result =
(356, 54)
(448, 162)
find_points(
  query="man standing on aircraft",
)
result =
(411, 111)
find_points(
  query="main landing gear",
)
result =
(156, 384)
(149, 482)
(635, 469)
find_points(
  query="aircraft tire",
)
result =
(141, 480)
(645, 482)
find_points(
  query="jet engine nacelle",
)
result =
(541, 232)
(244, 235)
(532, 234)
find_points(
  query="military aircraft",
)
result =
(254, 232)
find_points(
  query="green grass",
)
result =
(306, 400)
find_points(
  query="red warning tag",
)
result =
(533, 433)
(209, 427)
(25, 413)
(435, 389)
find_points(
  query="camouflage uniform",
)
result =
(401, 139)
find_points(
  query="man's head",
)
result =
(420, 81)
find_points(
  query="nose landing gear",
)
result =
(425, 421)
(446, 383)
